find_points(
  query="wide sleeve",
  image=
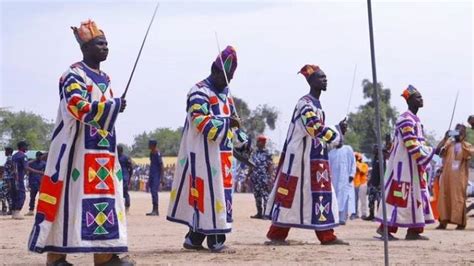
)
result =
(101, 115)
(468, 151)
(352, 162)
(198, 108)
(418, 150)
(314, 124)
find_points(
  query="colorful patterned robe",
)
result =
(303, 195)
(406, 191)
(201, 195)
(80, 206)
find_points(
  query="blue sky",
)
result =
(427, 44)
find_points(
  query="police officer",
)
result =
(260, 176)
(34, 179)
(127, 170)
(20, 161)
(156, 172)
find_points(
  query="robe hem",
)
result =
(119, 249)
(202, 231)
(303, 226)
(394, 224)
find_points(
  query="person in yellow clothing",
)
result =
(360, 185)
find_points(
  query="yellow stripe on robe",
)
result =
(409, 143)
(310, 114)
(73, 86)
(47, 198)
(283, 191)
(194, 192)
(100, 111)
(406, 129)
(328, 135)
(212, 132)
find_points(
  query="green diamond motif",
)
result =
(94, 124)
(75, 174)
(101, 206)
(213, 171)
(304, 119)
(204, 108)
(100, 230)
(182, 161)
(102, 173)
(120, 175)
(198, 120)
(104, 143)
(84, 94)
(223, 96)
(102, 87)
(216, 123)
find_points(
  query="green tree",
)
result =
(362, 131)
(167, 138)
(254, 122)
(17, 126)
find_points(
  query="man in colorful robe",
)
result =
(343, 169)
(260, 176)
(406, 191)
(201, 195)
(80, 207)
(452, 198)
(303, 196)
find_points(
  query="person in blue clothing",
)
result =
(127, 171)
(156, 172)
(260, 176)
(34, 179)
(20, 161)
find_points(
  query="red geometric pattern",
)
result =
(320, 176)
(226, 167)
(99, 174)
(286, 189)
(49, 198)
(398, 194)
(196, 193)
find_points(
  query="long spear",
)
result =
(378, 130)
(352, 88)
(237, 154)
(454, 110)
(140, 52)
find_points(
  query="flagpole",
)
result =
(378, 131)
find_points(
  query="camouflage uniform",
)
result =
(260, 178)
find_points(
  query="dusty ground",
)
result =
(153, 240)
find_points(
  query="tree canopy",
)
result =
(17, 126)
(362, 131)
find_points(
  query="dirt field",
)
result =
(153, 240)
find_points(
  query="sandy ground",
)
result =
(153, 240)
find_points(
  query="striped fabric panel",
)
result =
(416, 147)
(210, 126)
(98, 114)
(315, 126)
